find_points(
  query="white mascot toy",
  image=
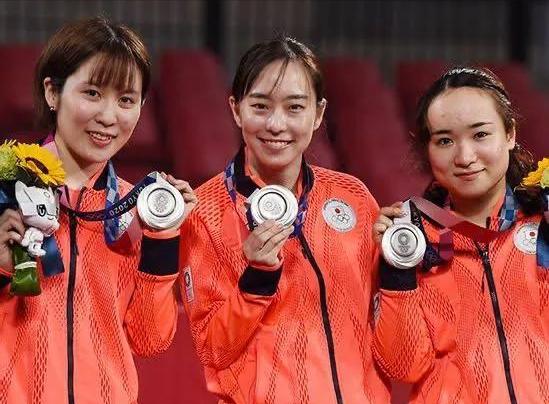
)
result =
(40, 210)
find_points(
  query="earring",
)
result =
(52, 108)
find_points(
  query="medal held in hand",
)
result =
(273, 202)
(403, 244)
(160, 205)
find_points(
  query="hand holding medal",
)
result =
(273, 209)
(165, 204)
(403, 244)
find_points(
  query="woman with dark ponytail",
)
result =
(471, 322)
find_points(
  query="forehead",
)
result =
(462, 106)
(277, 81)
(103, 71)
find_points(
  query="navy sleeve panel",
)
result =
(159, 256)
(259, 282)
(396, 279)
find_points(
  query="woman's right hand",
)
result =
(385, 220)
(12, 230)
(263, 245)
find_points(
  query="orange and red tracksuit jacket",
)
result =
(473, 330)
(299, 334)
(74, 342)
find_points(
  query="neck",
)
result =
(477, 210)
(77, 174)
(287, 176)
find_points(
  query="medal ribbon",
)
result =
(453, 223)
(229, 178)
(114, 236)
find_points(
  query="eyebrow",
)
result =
(123, 91)
(473, 126)
(290, 97)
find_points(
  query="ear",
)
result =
(24, 200)
(320, 108)
(50, 93)
(20, 188)
(235, 108)
(511, 136)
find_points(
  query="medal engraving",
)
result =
(273, 202)
(403, 244)
(160, 205)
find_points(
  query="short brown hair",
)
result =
(262, 54)
(121, 51)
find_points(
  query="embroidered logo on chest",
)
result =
(339, 215)
(525, 238)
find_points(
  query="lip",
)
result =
(100, 138)
(275, 144)
(468, 175)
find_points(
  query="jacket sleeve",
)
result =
(224, 308)
(151, 317)
(402, 343)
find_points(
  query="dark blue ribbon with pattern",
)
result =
(230, 185)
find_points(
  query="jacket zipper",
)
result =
(73, 223)
(70, 306)
(325, 315)
(499, 323)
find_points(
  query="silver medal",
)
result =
(273, 202)
(160, 205)
(403, 244)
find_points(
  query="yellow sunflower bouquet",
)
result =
(29, 175)
(539, 177)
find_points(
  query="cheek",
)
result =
(438, 159)
(252, 124)
(128, 120)
(305, 123)
(494, 155)
(82, 112)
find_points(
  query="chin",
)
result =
(469, 192)
(277, 163)
(97, 157)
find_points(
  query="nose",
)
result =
(465, 155)
(276, 122)
(106, 115)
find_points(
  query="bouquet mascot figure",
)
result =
(40, 210)
(28, 177)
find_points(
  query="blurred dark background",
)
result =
(378, 56)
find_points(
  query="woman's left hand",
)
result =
(186, 191)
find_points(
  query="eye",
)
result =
(41, 210)
(259, 106)
(480, 135)
(296, 107)
(126, 100)
(443, 141)
(91, 92)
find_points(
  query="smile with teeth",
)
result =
(100, 136)
(275, 143)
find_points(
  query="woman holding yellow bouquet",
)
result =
(106, 292)
(470, 324)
